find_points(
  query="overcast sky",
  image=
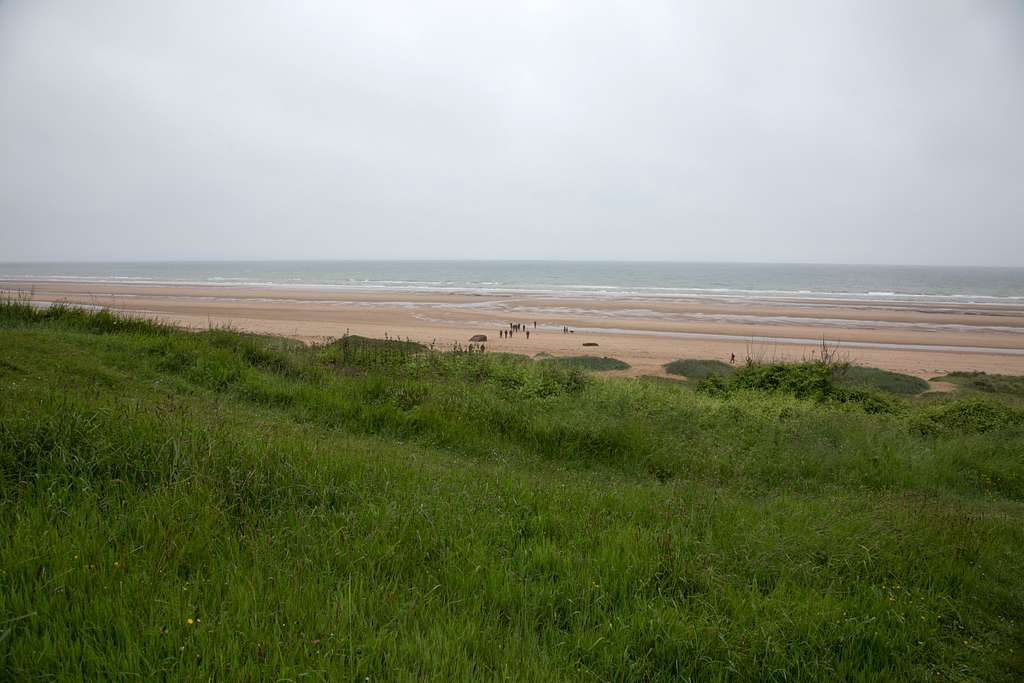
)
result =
(855, 132)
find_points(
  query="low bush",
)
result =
(1012, 385)
(882, 380)
(965, 416)
(593, 363)
(694, 369)
(806, 381)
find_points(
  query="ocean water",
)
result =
(984, 286)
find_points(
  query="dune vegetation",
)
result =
(839, 374)
(696, 369)
(219, 505)
(592, 363)
(1004, 385)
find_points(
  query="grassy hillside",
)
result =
(220, 505)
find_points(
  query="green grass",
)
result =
(592, 363)
(355, 511)
(882, 380)
(818, 382)
(1001, 385)
(357, 341)
(852, 376)
(694, 369)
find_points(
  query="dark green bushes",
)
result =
(806, 381)
(882, 380)
(966, 416)
(820, 383)
(1010, 385)
(525, 379)
(694, 369)
(593, 363)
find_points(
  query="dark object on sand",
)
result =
(590, 343)
(478, 338)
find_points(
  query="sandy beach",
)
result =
(921, 339)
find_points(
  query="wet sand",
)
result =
(923, 339)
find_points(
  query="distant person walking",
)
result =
(527, 334)
(732, 359)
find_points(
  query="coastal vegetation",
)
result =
(218, 505)
(592, 363)
(696, 369)
(883, 380)
(985, 383)
(838, 373)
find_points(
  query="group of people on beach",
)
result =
(516, 327)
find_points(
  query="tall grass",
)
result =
(217, 505)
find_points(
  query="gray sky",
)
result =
(857, 132)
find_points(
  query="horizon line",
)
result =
(499, 260)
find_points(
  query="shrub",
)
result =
(806, 381)
(876, 378)
(526, 380)
(803, 380)
(966, 416)
(713, 385)
(698, 369)
(355, 352)
(594, 363)
(988, 383)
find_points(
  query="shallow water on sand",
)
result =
(651, 281)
